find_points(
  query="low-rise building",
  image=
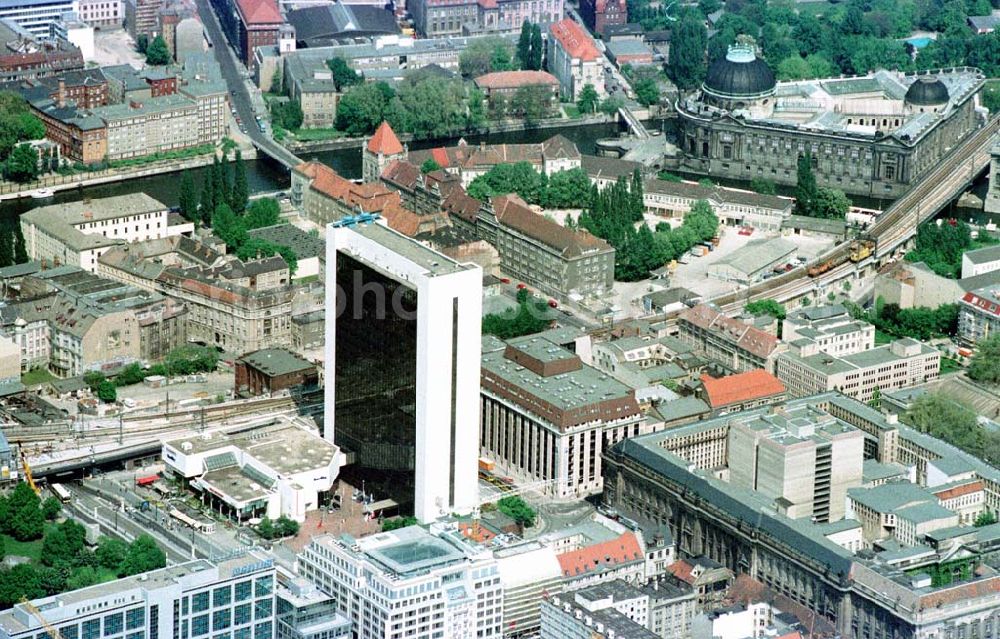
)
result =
(601, 14)
(272, 370)
(281, 470)
(632, 52)
(324, 196)
(444, 19)
(101, 13)
(742, 391)
(469, 161)
(309, 250)
(831, 327)
(308, 330)
(737, 346)
(409, 582)
(980, 261)
(912, 284)
(733, 207)
(28, 55)
(672, 607)
(504, 84)
(574, 59)
(805, 370)
(605, 611)
(79, 232)
(303, 611)
(326, 24)
(535, 391)
(754, 261)
(309, 80)
(235, 594)
(898, 510)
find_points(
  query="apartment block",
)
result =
(737, 346)
(546, 416)
(979, 315)
(832, 329)
(805, 370)
(29, 54)
(102, 13)
(574, 59)
(325, 196)
(409, 583)
(234, 596)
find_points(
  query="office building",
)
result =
(451, 18)
(36, 17)
(607, 611)
(874, 135)
(529, 572)
(805, 370)
(234, 595)
(832, 329)
(141, 17)
(574, 59)
(409, 583)
(979, 315)
(27, 55)
(898, 510)
(305, 612)
(737, 346)
(422, 425)
(324, 196)
(78, 233)
(101, 13)
(672, 608)
(281, 470)
(547, 417)
(601, 14)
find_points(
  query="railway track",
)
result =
(893, 227)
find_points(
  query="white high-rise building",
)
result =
(409, 583)
(402, 367)
(232, 597)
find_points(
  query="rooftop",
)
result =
(513, 212)
(983, 255)
(302, 243)
(384, 141)
(61, 220)
(758, 255)
(742, 387)
(433, 262)
(515, 79)
(574, 40)
(276, 361)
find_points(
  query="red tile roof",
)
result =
(515, 79)
(746, 337)
(958, 491)
(985, 304)
(742, 387)
(385, 141)
(622, 550)
(259, 11)
(371, 197)
(574, 40)
(682, 570)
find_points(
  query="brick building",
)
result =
(600, 14)
(271, 370)
(250, 24)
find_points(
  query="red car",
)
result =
(505, 280)
(521, 286)
(553, 304)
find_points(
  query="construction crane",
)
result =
(27, 470)
(37, 614)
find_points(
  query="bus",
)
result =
(61, 493)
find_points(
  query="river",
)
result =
(266, 175)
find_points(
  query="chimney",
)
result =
(61, 96)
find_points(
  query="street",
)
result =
(239, 93)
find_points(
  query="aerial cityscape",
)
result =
(499, 319)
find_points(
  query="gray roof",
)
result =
(758, 255)
(981, 23)
(628, 47)
(152, 105)
(276, 361)
(60, 220)
(681, 408)
(891, 496)
(815, 224)
(983, 255)
(303, 244)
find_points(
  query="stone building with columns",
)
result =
(872, 135)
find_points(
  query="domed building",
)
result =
(872, 135)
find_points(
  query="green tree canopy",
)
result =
(687, 52)
(985, 364)
(188, 198)
(24, 520)
(343, 75)
(588, 99)
(111, 553)
(106, 392)
(143, 555)
(362, 108)
(22, 164)
(948, 420)
(766, 307)
(429, 166)
(485, 55)
(647, 91)
(517, 509)
(157, 52)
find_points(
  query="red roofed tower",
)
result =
(380, 150)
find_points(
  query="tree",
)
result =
(519, 177)
(106, 392)
(93, 379)
(157, 53)
(17, 123)
(264, 211)
(220, 182)
(287, 114)
(433, 106)
(805, 186)
(831, 204)
(63, 544)
(794, 67)
(517, 509)
(985, 518)
(611, 104)
(766, 307)
(111, 553)
(985, 364)
(241, 189)
(588, 99)
(266, 528)
(537, 48)
(343, 75)
(876, 400)
(647, 91)
(524, 46)
(687, 52)
(50, 508)
(82, 577)
(476, 116)
(528, 318)
(398, 522)
(286, 527)
(143, 555)
(532, 103)
(24, 521)
(484, 55)
(207, 200)
(19, 581)
(228, 226)
(362, 108)
(567, 189)
(763, 186)
(131, 374)
(188, 198)
(142, 43)
(429, 166)
(22, 164)
(947, 419)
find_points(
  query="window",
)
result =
(199, 626)
(135, 618)
(221, 596)
(199, 602)
(221, 619)
(241, 614)
(113, 624)
(262, 631)
(243, 590)
(92, 629)
(69, 632)
(262, 609)
(264, 586)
